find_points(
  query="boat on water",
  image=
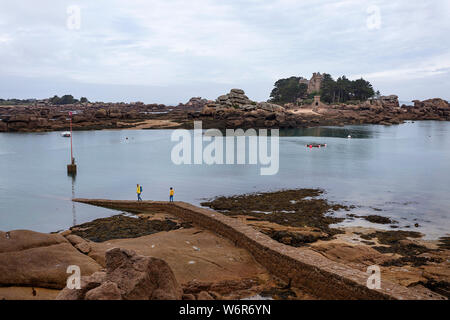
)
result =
(65, 134)
(315, 145)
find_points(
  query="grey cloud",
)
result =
(132, 48)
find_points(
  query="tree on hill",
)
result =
(328, 89)
(66, 99)
(343, 89)
(331, 91)
(288, 90)
(362, 89)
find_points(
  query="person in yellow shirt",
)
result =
(139, 191)
(171, 193)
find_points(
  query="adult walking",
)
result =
(139, 191)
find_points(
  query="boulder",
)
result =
(237, 91)
(43, 266)
(17, 240)
(141, 278)
(128, 276)
(81, 244)
(194, 103)
(207, 111)
(236, 98)
(356, 256)
(436, 103)
(269, 107)
(203, 295)
(74, 239)
(87, 283)
(390, 101)
(106, 291)
(417, 103)
(188, 296)
(27, 293)
(84, 247)
(100, 113)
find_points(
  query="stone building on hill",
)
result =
(315, 82)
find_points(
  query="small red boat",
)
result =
(314, 145)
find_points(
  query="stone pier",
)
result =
(301, 267)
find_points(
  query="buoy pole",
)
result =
(71, 148)
(72, 167)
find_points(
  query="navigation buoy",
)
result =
(72, 167)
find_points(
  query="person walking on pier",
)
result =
(171, 193)
(139, 191)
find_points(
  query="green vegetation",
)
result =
(344, 90)
(66, 99)
(288, 90)
(331, 91)
(13, 102)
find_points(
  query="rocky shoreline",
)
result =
(34, 264)
(299, 218)
(233, 110)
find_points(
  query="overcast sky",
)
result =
(168, 51)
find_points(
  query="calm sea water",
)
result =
(403, 170)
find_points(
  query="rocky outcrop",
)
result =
(195, 103)
(301, 267)
(79, 243)
(128, 276)
(87, 284)
(18, 240)
(37, 118)
(31, 258)
(436, 103)
(236, 110)
(232, 110)
(390, 101)
(237, 99)
(106, 291)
